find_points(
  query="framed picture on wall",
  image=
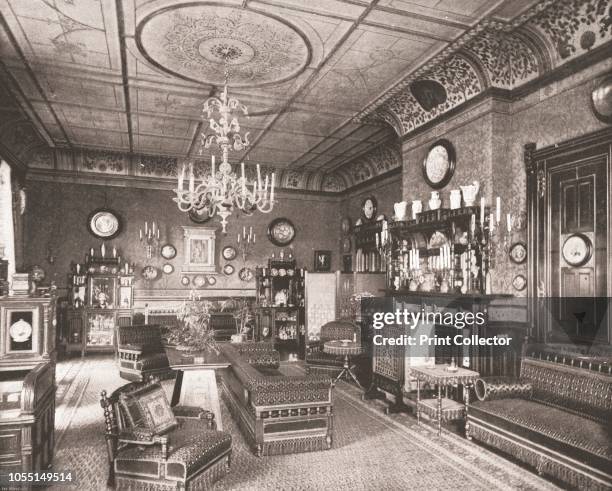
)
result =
(322, 261)
(199, 250)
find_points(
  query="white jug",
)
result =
(455, 199)
(435, 202)
(417, 207)
(469, 193)
(400, 209)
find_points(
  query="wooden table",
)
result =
(196, 380)
(440, 376)
(346, 349)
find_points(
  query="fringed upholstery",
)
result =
(556, 418)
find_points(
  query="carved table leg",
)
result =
(466, 398)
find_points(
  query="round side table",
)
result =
(346, 349)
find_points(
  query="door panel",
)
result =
(577, 200)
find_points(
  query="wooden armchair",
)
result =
(141, 353)
(153, 446)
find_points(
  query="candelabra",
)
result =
(150, 238)
(245, 241)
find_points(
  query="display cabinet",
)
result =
(101, 300)
(368, 248)
(280, 307)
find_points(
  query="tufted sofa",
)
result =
(278, 414)
(556, 418)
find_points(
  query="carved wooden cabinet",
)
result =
(27, 419)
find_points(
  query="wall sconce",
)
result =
(245, 241)
(150, 238)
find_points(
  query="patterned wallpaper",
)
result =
(500, 55)
(489, 140)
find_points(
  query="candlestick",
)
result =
(498, 210)
(482, 210)
(272, 190)
(212, 163)
(509, 222)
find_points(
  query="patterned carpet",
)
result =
(371, 450)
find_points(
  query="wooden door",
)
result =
(569, 233)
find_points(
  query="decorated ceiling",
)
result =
(117, 86)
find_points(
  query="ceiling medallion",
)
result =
(194, 41)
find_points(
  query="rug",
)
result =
(371, 450)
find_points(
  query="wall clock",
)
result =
(104, 223)
(168, 251)
(368, 208)
(281, 232)
(577, 250)
(518, 253)
(439, 164)
(229, 253)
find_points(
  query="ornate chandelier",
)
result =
(221, 191)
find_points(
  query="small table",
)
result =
(196, 381)
(346, 349)
(440, 376)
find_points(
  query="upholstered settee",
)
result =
(153, 446)
(278, 414)
(556, 418)
(141, 353)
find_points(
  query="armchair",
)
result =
(141, 353)
(319, 362)
(153, 446)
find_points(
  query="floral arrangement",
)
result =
(193, 331)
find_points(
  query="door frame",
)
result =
(538, 163)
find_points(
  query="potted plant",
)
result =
(193, 331)
(243, 316)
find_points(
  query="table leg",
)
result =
(178, 384)
(418, 410)
(198, 387)
(439, 409)
(466, 398)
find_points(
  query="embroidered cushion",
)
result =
(148, 407)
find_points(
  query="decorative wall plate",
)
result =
(519, 282)
(185, 281)
(439, 164)
(246, 274)
(346, 245)
(168, 268)
(104, 223)
(212, 280)
(518, 253)
(228, 269)
(281, 232)
(199, 281)
(345, 225)
(229, 253)
(168, 251)
(150, 273)
(601, 100)
(577, 250)
(368, 208)
(199, 215)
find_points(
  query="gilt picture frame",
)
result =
(199, 249)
